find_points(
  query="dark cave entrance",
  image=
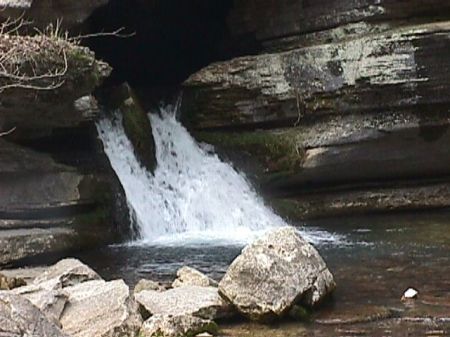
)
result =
(173, 39)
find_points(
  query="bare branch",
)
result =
(7, 132)
(116, 33)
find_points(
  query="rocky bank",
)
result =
(71, 299)
(57, 190)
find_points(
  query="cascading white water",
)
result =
(192, 197)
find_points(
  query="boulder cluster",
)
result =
(272, 277)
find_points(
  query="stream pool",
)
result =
(374, 260)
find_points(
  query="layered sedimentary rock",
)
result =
(354, 123)
(46, 207)
(57, 192)
(278, 25)
(44, 12)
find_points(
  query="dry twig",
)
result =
(7, 132)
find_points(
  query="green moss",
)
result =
(138, 129)
(300, 313)
(278, 150)
(290, 209)
(98, 217)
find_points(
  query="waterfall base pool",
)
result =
(379, 259)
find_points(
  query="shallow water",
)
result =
(374, 262)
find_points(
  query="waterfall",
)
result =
(192, 197)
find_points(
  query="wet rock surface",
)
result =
(274, 273)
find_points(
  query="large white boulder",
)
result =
(274, 273)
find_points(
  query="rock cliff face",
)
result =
(57, 192)
(344, 110)
(285, 24)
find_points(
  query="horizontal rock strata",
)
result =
(329, 122)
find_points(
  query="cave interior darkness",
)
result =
(172, 39)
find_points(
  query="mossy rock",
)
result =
(137, 127)
(278, 151)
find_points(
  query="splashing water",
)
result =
(192, 197)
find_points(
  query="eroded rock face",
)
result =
(101, 309)
(44, 12)
(277, 25)
(339, 78)
(203, 302)
(274, 273)
(299, 120)
(187, 276)
(16, 244)
(176, 326)
(20, 318)
(45, 206)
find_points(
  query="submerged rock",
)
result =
(274, 273)
(354, 314)
(20, 318)
(203, 302)
(187, 276)
(101, 309)
(176, 326)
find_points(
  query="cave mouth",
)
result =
(172, 39)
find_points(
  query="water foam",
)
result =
(193, 197)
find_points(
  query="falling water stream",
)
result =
(193, 197)
(197, 210)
